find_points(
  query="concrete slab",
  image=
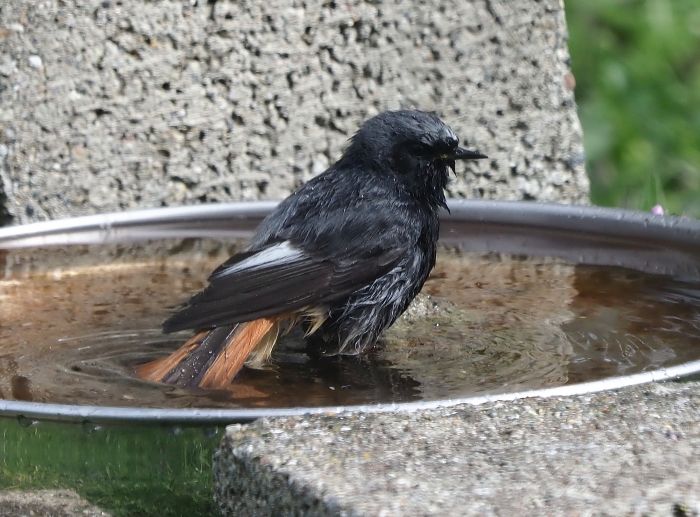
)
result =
(630, 452)
(54, 503)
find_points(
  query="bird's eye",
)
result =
(408, 156)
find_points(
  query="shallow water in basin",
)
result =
(75, 321)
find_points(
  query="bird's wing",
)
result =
(280, 278)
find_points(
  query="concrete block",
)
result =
(630, 452)
(107, 104)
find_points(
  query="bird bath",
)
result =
(525, 299)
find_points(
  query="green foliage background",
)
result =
(125, 470)
(637, 69)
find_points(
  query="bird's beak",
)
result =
(461, 154)
(465, 154)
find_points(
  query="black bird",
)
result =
(343, 256)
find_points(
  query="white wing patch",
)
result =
(282, 253)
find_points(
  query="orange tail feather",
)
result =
(235, 352)
(157, 369)
(212, 358)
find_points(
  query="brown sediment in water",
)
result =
(75, 321)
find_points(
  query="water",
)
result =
(75, 321)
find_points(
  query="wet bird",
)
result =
(343, 256)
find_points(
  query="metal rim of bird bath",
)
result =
(679, 236)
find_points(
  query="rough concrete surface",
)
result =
(54, 503)
(631, 452)
(112, 104)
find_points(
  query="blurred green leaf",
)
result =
(637, 67)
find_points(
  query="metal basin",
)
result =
(648, 252)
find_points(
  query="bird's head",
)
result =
(416, 147)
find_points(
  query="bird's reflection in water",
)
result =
(296, 374)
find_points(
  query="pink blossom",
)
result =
(657, 210)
